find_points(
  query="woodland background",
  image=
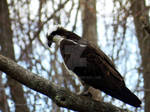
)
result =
(121, 28)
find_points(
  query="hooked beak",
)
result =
(49, 43)
(49, 39)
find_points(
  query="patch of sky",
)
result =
(17, 51)
(11, 105)
(34, 6)
(4, 79)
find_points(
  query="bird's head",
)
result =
(60, 31)
(54, 37)
(57, 35)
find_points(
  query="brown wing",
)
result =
(101, 56)
(105, 65)
(98, 51)
(107, 62)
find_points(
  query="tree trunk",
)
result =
(89, 20)
(7, 49)
(140, 12)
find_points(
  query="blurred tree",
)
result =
(140, 13)
(89, 20)
(7, 49)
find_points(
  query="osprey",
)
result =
(91, 65)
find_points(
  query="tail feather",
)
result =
(127, 96)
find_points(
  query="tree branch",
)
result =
(59, 95)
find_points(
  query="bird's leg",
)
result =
(85, 91)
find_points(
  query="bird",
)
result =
(91, 65)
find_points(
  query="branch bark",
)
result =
(59, 95)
